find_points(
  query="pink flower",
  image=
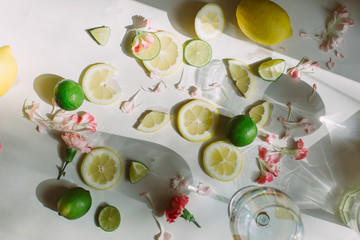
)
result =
(337, 26)
(303, 35)
(195, 92)
(176, 208)
(305, 66)
(265, 177)
(204, 189)
(159, 88)
(0, 146)
(32, 111)
(262, 153)
(331, 64)
(143, 38)
(127, 106)
(163, 236)
(270, 138)
(155, 76)
(179, 183)
(76, 141)
(180, 86)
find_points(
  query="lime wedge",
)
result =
(272, 69)
(137, 171)
(109, 218)
(100, 34)
(197, 53)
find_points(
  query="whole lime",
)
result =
(74, 203)
(241, 130)
(68, 95)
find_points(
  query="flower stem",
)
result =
(62, 171)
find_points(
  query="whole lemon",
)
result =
(8, 69)
(74, 203)
(68, 95)
(263, 21)
(241, 130)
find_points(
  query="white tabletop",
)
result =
(49, 38)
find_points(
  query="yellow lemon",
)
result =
(8, 69)
(263, 21)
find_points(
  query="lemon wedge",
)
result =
(243, 77)
(260, 113)
(153, 121)
(222, 161)
(272, 69)
(197, 120)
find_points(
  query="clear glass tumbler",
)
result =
(258, 213)
(350, 210)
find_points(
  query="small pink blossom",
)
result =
(304, 67)
(337, 26)
(180, 86)
(155, 75)
(163, 236)
(76, 141)
(0, 146)
(179, 183)
(143, 38)
(303, 35)
(331, 64)
(195, 92)
(270, 138)
(127, 106)
(159, 88)
(264, 177)
(339, 54)
(32, 111)
(204, 189)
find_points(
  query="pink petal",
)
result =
(331, 64)
(262, 153)
(339, 54)
(303, 35)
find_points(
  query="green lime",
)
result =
(197, 53)
(68, 95)
(74, 203)
(137, 171)
(109, 218)
(100, 34)
(272, 69)
(241, 130)
(149, 52)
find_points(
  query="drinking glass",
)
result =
(350, 210)
(258, 213)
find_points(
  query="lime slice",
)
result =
(222, 161)
(153, 121)
(153, 49)
(271, 70)
(197, 120)
(243, 77)
(260, 113)
(100, 84)
(170, 56)
(109, 218)
(209, 22)
(101, 168)
(197, 53)
(137, 171)
(100, 34)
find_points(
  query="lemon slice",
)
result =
(197, 53)
(101, 168)
(109, 218)
(149, 53)
(222, 161)
(170, 56)
(197, 120)
(242, 76)
(100, 85)
(8, 69)
(100, 34)
(260, 114)
(137, 171)
(153, 121)
(209, 22)
(271, 70)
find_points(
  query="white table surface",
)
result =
(49, 37)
